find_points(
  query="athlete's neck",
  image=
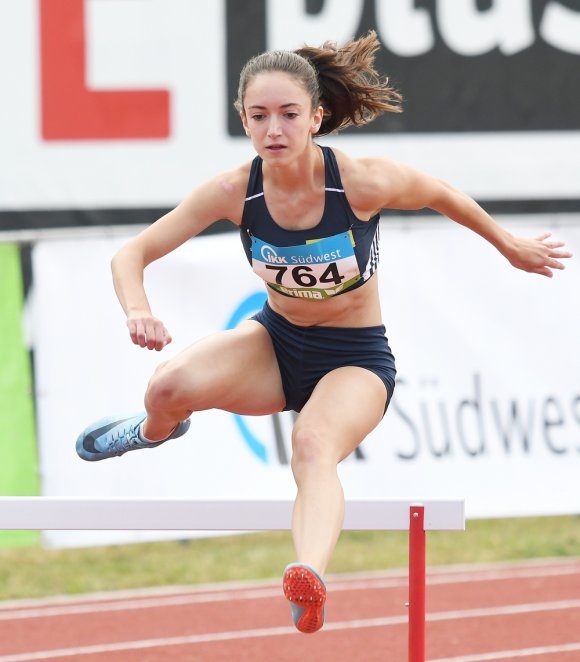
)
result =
(304, 173)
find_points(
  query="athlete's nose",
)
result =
(274, 127)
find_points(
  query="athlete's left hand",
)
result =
(537, 255)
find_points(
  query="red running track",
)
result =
(529, 612)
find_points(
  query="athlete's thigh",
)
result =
(345, 406)
(235, 370)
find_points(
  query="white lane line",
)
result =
(156, 599)
(145, 643)
(512, 654)
(143, 603)
(503, 610)
(237, 635)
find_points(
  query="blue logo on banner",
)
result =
(249, 306)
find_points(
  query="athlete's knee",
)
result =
(165, 389)
(311, 448)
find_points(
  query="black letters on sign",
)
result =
(490, 65)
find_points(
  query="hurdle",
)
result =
(179, 514)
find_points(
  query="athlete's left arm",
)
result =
(402, 187)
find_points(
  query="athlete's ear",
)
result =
(244, 122)
(317, 119)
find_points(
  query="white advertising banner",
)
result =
(487, 405)
(128, 104)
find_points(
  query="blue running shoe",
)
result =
(306, 591)
(113, 436)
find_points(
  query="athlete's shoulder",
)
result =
(359, 170)
(234, 181)
(227, 191)
(364, 179)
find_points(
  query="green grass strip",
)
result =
(35, 572)
(18, 456)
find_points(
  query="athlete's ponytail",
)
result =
(343, 80)
(351, 91)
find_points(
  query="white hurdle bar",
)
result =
(177, 514)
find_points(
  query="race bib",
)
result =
(318, 269)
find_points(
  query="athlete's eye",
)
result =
(257, 117)
(291, 115)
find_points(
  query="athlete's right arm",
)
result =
(219, 198)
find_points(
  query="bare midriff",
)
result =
(358, 308)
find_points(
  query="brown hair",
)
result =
(343, 80)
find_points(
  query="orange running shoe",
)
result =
(305, 590)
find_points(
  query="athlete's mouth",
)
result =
(275, 148)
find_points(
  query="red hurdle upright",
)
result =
(417, 584)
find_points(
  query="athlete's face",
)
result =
(278, 116)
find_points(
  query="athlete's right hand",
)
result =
(148, 331)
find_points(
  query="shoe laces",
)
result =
(124, 439)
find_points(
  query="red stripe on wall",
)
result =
(71, 111)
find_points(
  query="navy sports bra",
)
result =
(336, 256)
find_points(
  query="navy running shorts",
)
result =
(306, 353)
